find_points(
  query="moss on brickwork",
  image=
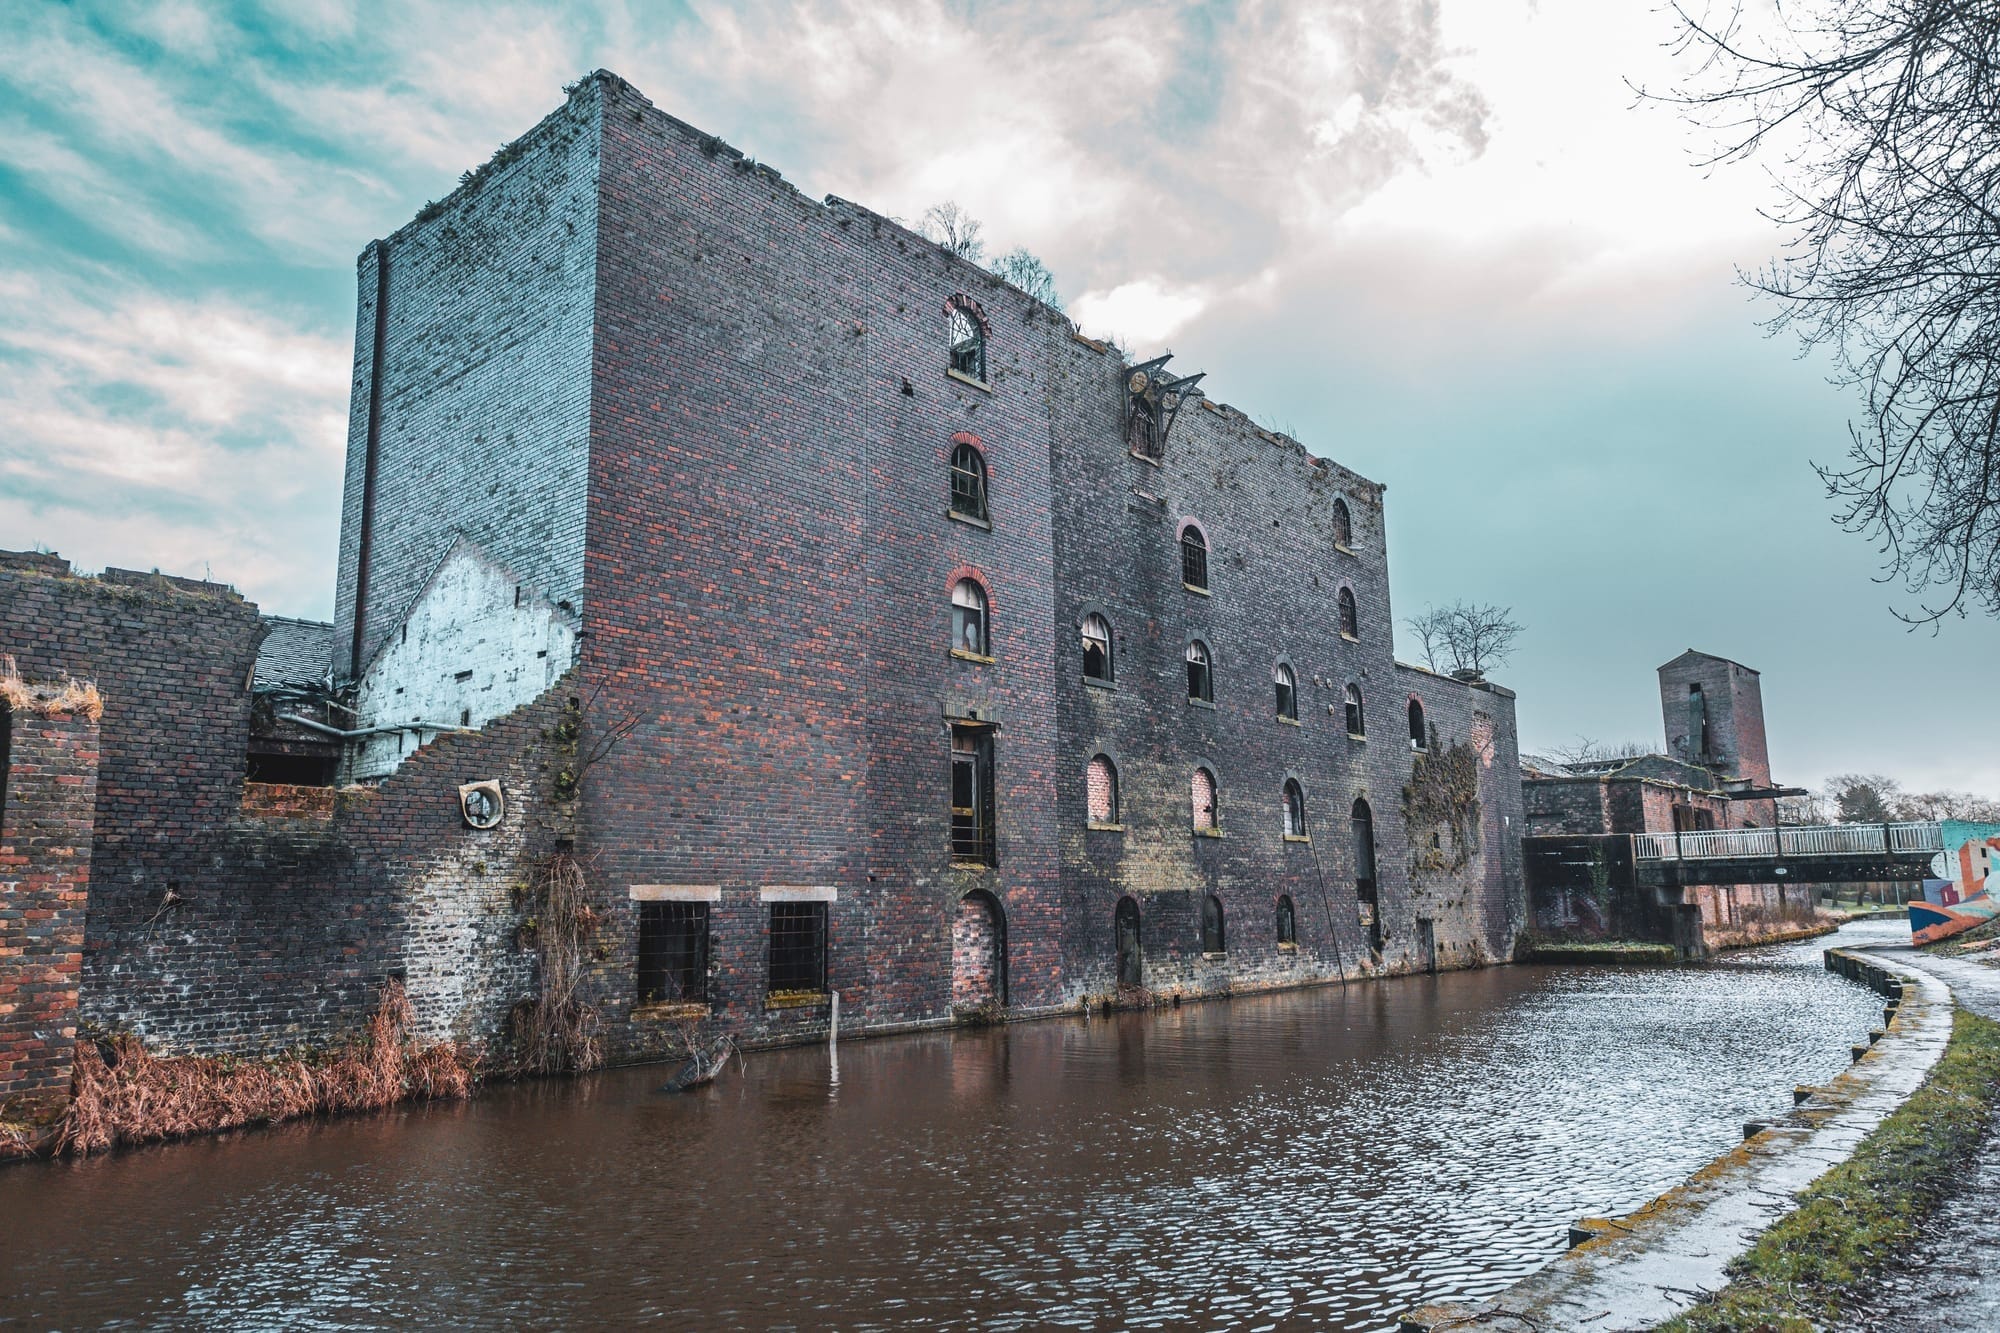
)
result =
(1853, 1220)
(1440, 801)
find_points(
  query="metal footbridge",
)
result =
(1810, 853)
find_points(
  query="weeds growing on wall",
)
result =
(121, 1093)
(1442, 800)
(556, 1031)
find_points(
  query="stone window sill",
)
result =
(659, 1012)
(1344, 550)
(1199, 592)
(1349, 637)
(1144, 458)
(1211, 955)
(796, 999)
(1208, 833)
(1289, 721)
(972, 867)
(964, 656)
(1093, 683)
(966, 379)
(1104, 828)
(1201, 703)
(1287, 946)
(1298, 837)
(1357, 736)
(969, 520)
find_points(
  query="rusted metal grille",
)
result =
(798, 947)
(968, 483)
(673, 953)
(1103, 784)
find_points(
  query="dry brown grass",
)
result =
(135, 1097)
(556, 1032)
(71, 696)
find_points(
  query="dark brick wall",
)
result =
(1616, 805)
(48, 776)
(485, 394)
(1735, 704)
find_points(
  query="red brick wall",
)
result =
(45, 872)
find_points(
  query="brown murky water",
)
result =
(1326, 1157)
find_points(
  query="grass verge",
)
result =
(1853, 1220)
(1961, 943)
(1594, 951)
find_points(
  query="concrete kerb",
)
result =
(1637, 1271)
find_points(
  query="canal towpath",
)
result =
(1950, 1281)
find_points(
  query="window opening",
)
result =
(1125, 928)
(1417, 733)
(6, 758)
(1212, 940)
(1096, 649)
(1343, 524)
(1365, 891)
(673, 953)
(1203, 792)
(1350, 625)
(1288, 921)
(1288, 692)
(972, 838)
(968, 482)
(1201, 680)
(1145, 434)
(798, 948)
(1194, 558)
(1295, 809)
(1102, 784)
(968, 619)
(1357, 721)
(968, 344)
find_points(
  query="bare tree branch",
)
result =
(1464, 636)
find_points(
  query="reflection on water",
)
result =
(1326, 1156)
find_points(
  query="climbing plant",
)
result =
(1442, 802)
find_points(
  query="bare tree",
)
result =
(1801, 810)
(1026, 271)
(1881, 119)
(950, 226)
(1465, 636)
(1586, 750)
(1947, 805)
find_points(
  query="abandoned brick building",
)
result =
(860, 625)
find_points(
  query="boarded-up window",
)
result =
(1203, 794)
(1102, 782)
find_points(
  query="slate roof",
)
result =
(294, 652)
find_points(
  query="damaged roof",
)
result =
(294, 652)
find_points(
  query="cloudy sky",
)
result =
(1435, 241)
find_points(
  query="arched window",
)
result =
(1357, 722)
(1349, 624)
(1143, 431)
(1125, 930)
(1101, 784)
(968, 482)
(968, 341)
(1363, 825)
(1194, 558)
(1417, 734)
(1201, 679)
(968, 619)
(1212, 940)
(1288, 921)
(1295, 809)
(1096, 649)
(1288, 692)
(1203, 789)
(1343, 523)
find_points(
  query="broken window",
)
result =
(1102, 784)
(673, 953)
(968, 619)
(1343, 524)
(1295, 809)
(1288, 692)
(968, 482)
(1201, 681)
(1211, 924)
(1363, 823)
(1288, 921)
(972, 837)
(1194, 558)
(1350, 625)
(968, 343)
(1417, 734)
(1203, 791)
(1143, 433)
(798, 948)
(1096, 649)
(1357, 723)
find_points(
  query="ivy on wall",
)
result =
(1441, 808)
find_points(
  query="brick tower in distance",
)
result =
(1714, 714)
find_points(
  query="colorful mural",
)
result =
(1959, 893)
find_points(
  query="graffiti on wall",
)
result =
(1958, 894)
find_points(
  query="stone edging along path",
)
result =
(1638, 1271)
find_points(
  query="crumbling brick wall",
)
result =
(48, 793)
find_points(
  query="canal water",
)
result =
(1325, 1157)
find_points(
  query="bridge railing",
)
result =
(1907, 839)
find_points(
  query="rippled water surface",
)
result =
(1324, 1157)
